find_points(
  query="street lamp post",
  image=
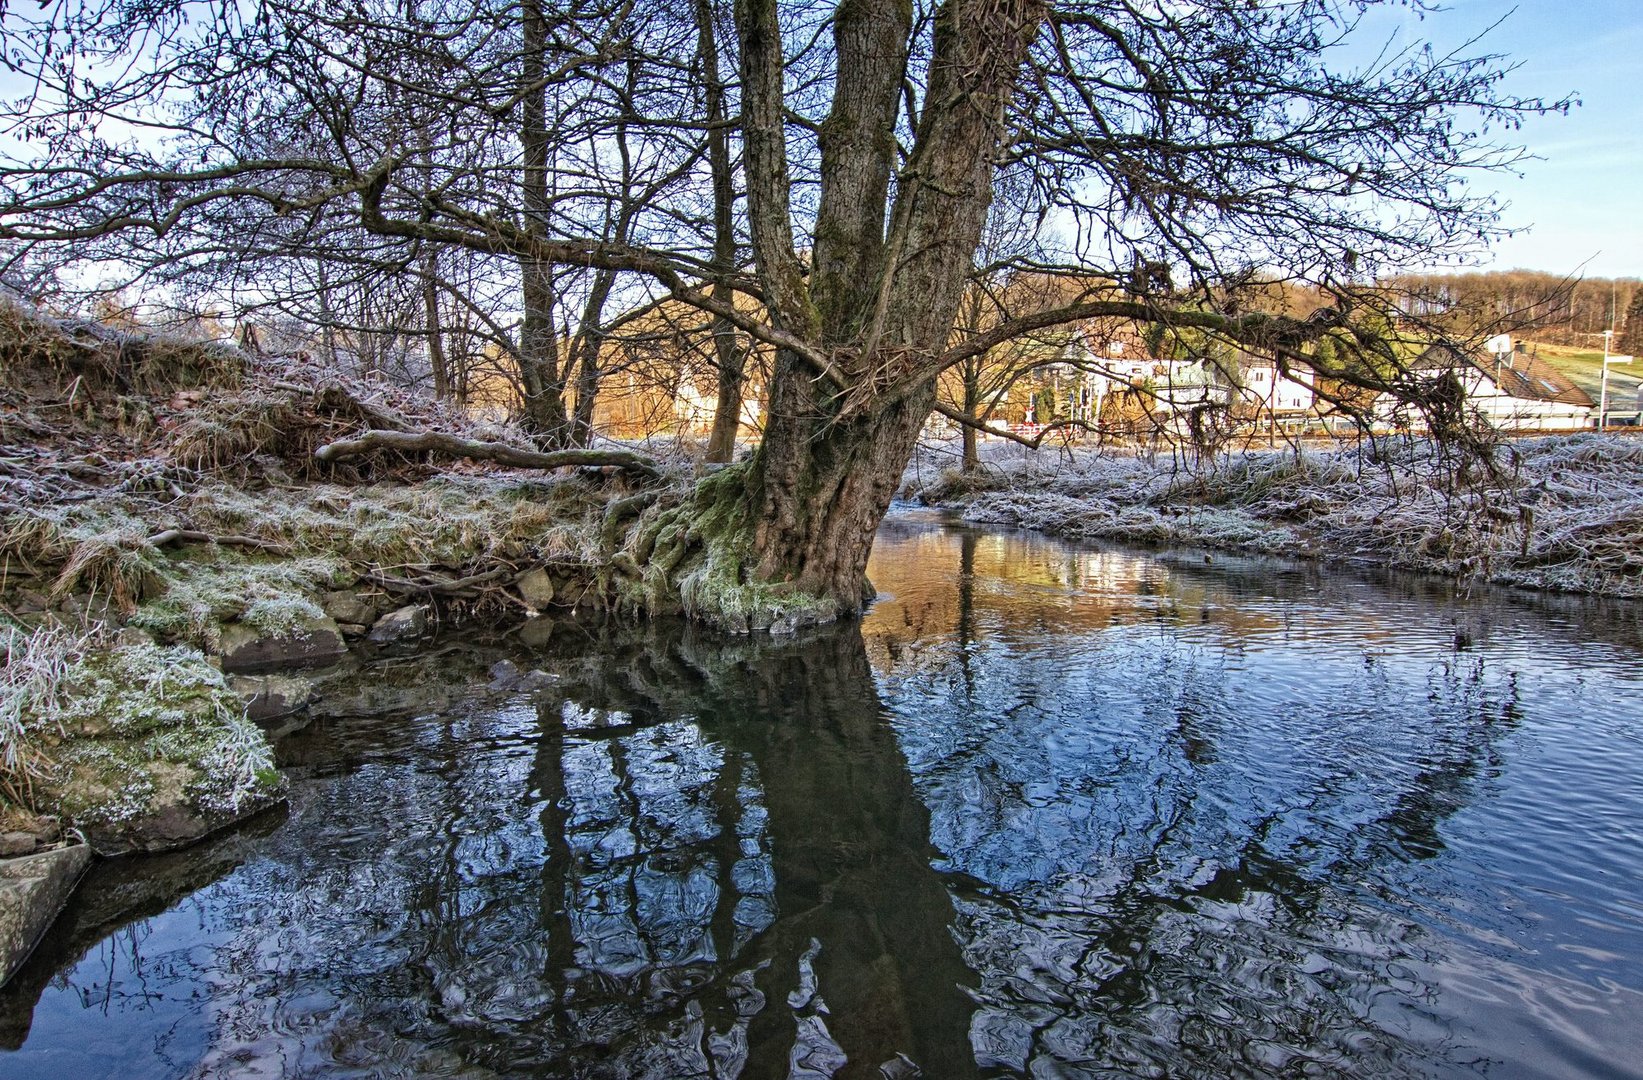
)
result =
(1603, 385)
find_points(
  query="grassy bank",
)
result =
(1554, 513)
(165, 523)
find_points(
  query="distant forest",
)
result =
(1546, 307)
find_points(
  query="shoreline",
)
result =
(1563, 514)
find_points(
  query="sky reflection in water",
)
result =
(1050, 812)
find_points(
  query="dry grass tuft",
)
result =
(31, 686)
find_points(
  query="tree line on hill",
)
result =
(1549, 307)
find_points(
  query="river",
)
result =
(1048, 811)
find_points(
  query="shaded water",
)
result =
(1048, 811)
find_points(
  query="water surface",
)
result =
(1048, 811)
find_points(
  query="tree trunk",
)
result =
(784, 540)
(727, 409)
(583, 358)
(971, 460)
(728, 354)
(437, 362)
(830, 464)
(820, 490)
(541, 381)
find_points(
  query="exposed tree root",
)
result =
(434, 585)
(193, 536)
(695, 556)
(500, 453)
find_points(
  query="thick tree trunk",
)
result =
(540, 381)
(784, 540)
(833, 456)
(821, 487)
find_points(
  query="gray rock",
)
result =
(407, 624)
(270, 697)
(535, 588)
(346, 606)
(33, 890)
(172, 825)
(535, 679)
(353, 630)
(308, 642)
(132, 635)
(16, 843)
(504, 674)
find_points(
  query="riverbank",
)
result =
(195, 541)
(1560, 513)
(180, 569)
(1032, 765)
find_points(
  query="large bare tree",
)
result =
(835, 163)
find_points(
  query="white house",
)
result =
(1272, 391)
(1509, 387)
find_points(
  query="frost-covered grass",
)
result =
(102, 735)
(449, 521)
(31, 685)
(206, 588)
(97, 546)
(1559, 512)
(319, 537)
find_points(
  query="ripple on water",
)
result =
(1054, 812)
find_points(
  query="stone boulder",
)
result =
(308, 641)
(347, 606)
(535, 588)
(507, 676)
(400, 627)
(33, 889)
(272, 697)
(149, 749)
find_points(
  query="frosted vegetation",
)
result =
(169, 487)
(1556, 513)
(105, 734)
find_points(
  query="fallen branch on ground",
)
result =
(501, 453)
(190, 536)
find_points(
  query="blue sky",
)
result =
(1583, 200)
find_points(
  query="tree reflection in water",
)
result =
(1064, 813)
(1189, 838)
(740, 825)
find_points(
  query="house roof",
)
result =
(1533, 378)
(1520, 375)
